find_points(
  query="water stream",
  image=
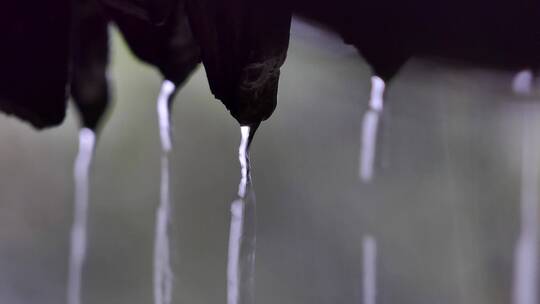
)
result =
(370, 125)
(242, 234)
(87, 139)
(163, 274)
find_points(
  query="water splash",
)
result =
(163, 274)
(242, 234)
(525, 282)
(369, 247)
(370, 125)
(87, 139)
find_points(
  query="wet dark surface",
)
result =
(443, 205)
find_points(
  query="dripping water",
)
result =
(242, 234)
(163, 274)
(370, 125)
(525, 282)
(81, 173)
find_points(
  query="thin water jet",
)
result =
(164, 101)
(242, 234)
(525, 280)
(370, 125)
(163, 274)
(369, 267)
(81, 172)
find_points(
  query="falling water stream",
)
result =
(370, 124)
(87, 139)
(369, 143)
(163, 274)
(242, 235)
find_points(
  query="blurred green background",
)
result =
(443, 206)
